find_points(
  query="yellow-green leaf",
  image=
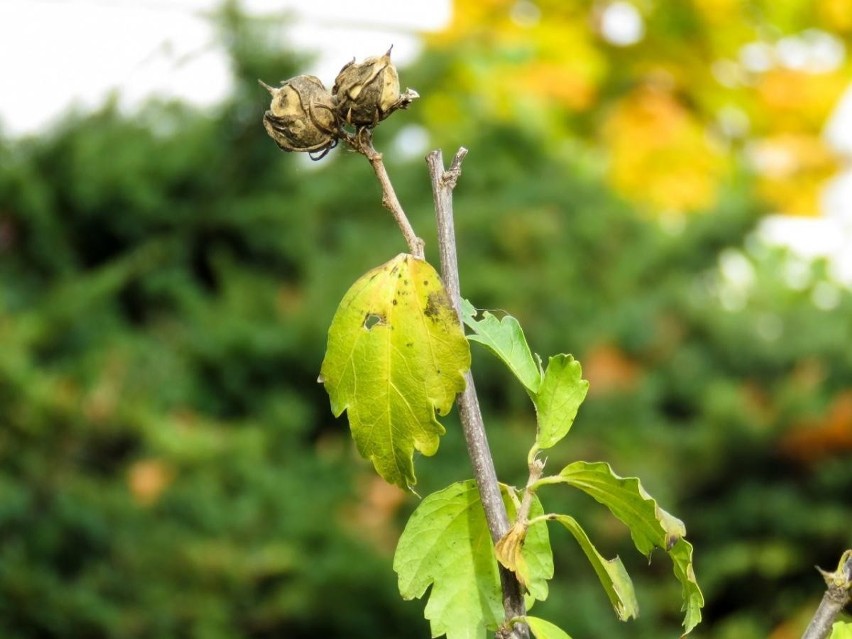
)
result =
(396, 354)
(841, 630)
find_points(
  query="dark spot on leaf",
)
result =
(425, 282)
(373, 319)
(435, 303)
(671, 540)
(410, 344)
(394, 301)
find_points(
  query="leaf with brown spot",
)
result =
(396, 354)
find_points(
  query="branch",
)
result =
(443, 183)
(362, 142)
(836, 597)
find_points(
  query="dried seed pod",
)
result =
(367, 92)
(301, 115)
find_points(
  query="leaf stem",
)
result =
(443, 183)
(536, 469)
(544, 481)
(362, 142)
(540, 519)
(837, 595)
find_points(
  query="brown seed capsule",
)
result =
(301, 115)
(368, 92)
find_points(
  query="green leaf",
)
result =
(506, 340)
(557, 392)
(396, 354)
(544, 629)
(841, 630)
(446, 543)
(691, 595)
(650, 526)
(562, 391)
(611, 572)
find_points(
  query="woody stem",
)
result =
(362, 142)
(443, 183)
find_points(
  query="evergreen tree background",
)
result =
(169, 466)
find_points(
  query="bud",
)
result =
(301, 115)
(368, 92)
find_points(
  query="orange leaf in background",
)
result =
(372, 517)
(609, 370)
(558, 83)
(811, 441)
(148, 479)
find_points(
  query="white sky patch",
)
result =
(621, 24)
(54, 55)
(811, 238)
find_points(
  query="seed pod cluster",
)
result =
(304, 116)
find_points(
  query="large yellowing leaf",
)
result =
(446, 544)
(396, 354)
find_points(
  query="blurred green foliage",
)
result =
(169, 466)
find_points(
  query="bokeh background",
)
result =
(169, 466)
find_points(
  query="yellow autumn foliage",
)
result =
(709, 85)
(792, 170)
(659, 153)
(836, 14)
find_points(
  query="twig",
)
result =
(443, 183)
(836, 597)
(362, 142)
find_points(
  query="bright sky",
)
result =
(60, 53)
(57, 53)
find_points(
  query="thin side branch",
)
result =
(837, 596)
(443, 183)
(362, 142)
